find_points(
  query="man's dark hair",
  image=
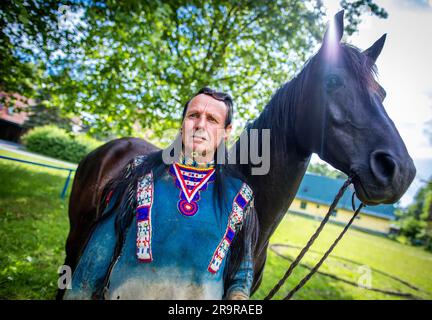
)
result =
(218, 95)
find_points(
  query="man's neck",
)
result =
(194, 160)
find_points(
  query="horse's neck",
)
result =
(276, 190)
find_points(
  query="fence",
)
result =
(63, 193)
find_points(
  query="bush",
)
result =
(57, 143)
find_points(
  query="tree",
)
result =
(325, 170)
(128, 62)
(416, 220)
(29, 33)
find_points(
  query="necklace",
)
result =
(191, 181)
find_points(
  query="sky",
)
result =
(405, 72)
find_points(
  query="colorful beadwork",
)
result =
(143, 217)
(145, 198)
(243, 197)
(191, 181)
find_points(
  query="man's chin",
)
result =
(196, 151)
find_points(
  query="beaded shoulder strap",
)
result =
(143, 217)
(242, 201)
(144, 197)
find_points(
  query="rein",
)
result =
(311, 241)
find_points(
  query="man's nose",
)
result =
(200, 123)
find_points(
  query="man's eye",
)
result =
(193, 115)
(211, 119)
(332, 82)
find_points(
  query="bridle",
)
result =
(311, 241)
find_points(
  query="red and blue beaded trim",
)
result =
(143, 217)
(145, 198)
(235, 219)
(191, 181)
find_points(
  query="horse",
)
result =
(333, 107)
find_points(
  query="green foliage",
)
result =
(415, 221)
(89, 142)
(356, 8)
(29, 34)
(127, 65)
(57, 143)
(323, 169)
(412, 228)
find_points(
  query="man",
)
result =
(182, 230)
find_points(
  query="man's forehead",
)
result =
(203, 102)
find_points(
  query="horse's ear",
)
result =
(374, 51)
(335, 28)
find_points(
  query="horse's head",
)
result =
(343, 119)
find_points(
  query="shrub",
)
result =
(58, 143)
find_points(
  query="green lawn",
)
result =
(393, 266)
(16, 155)
(34, 226)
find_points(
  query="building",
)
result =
(13, 115)
(316, 194)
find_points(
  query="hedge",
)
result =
(58, 143)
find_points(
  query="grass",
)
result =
(357, 256)
(34, 226)
(20, 156)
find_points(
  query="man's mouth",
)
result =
(199, 138)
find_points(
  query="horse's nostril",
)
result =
(383, 166)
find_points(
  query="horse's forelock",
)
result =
(360, 65)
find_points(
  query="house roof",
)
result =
(323, 190)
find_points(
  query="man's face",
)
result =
(204, 125)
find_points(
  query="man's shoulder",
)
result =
(239, 186)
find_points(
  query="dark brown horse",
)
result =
(333, 107)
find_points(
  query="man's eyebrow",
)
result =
(216, 116)
(213, 115)
(200, 111)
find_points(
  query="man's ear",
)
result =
(227, 132)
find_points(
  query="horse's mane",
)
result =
(278, 114)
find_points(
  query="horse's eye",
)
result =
(332, 82)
